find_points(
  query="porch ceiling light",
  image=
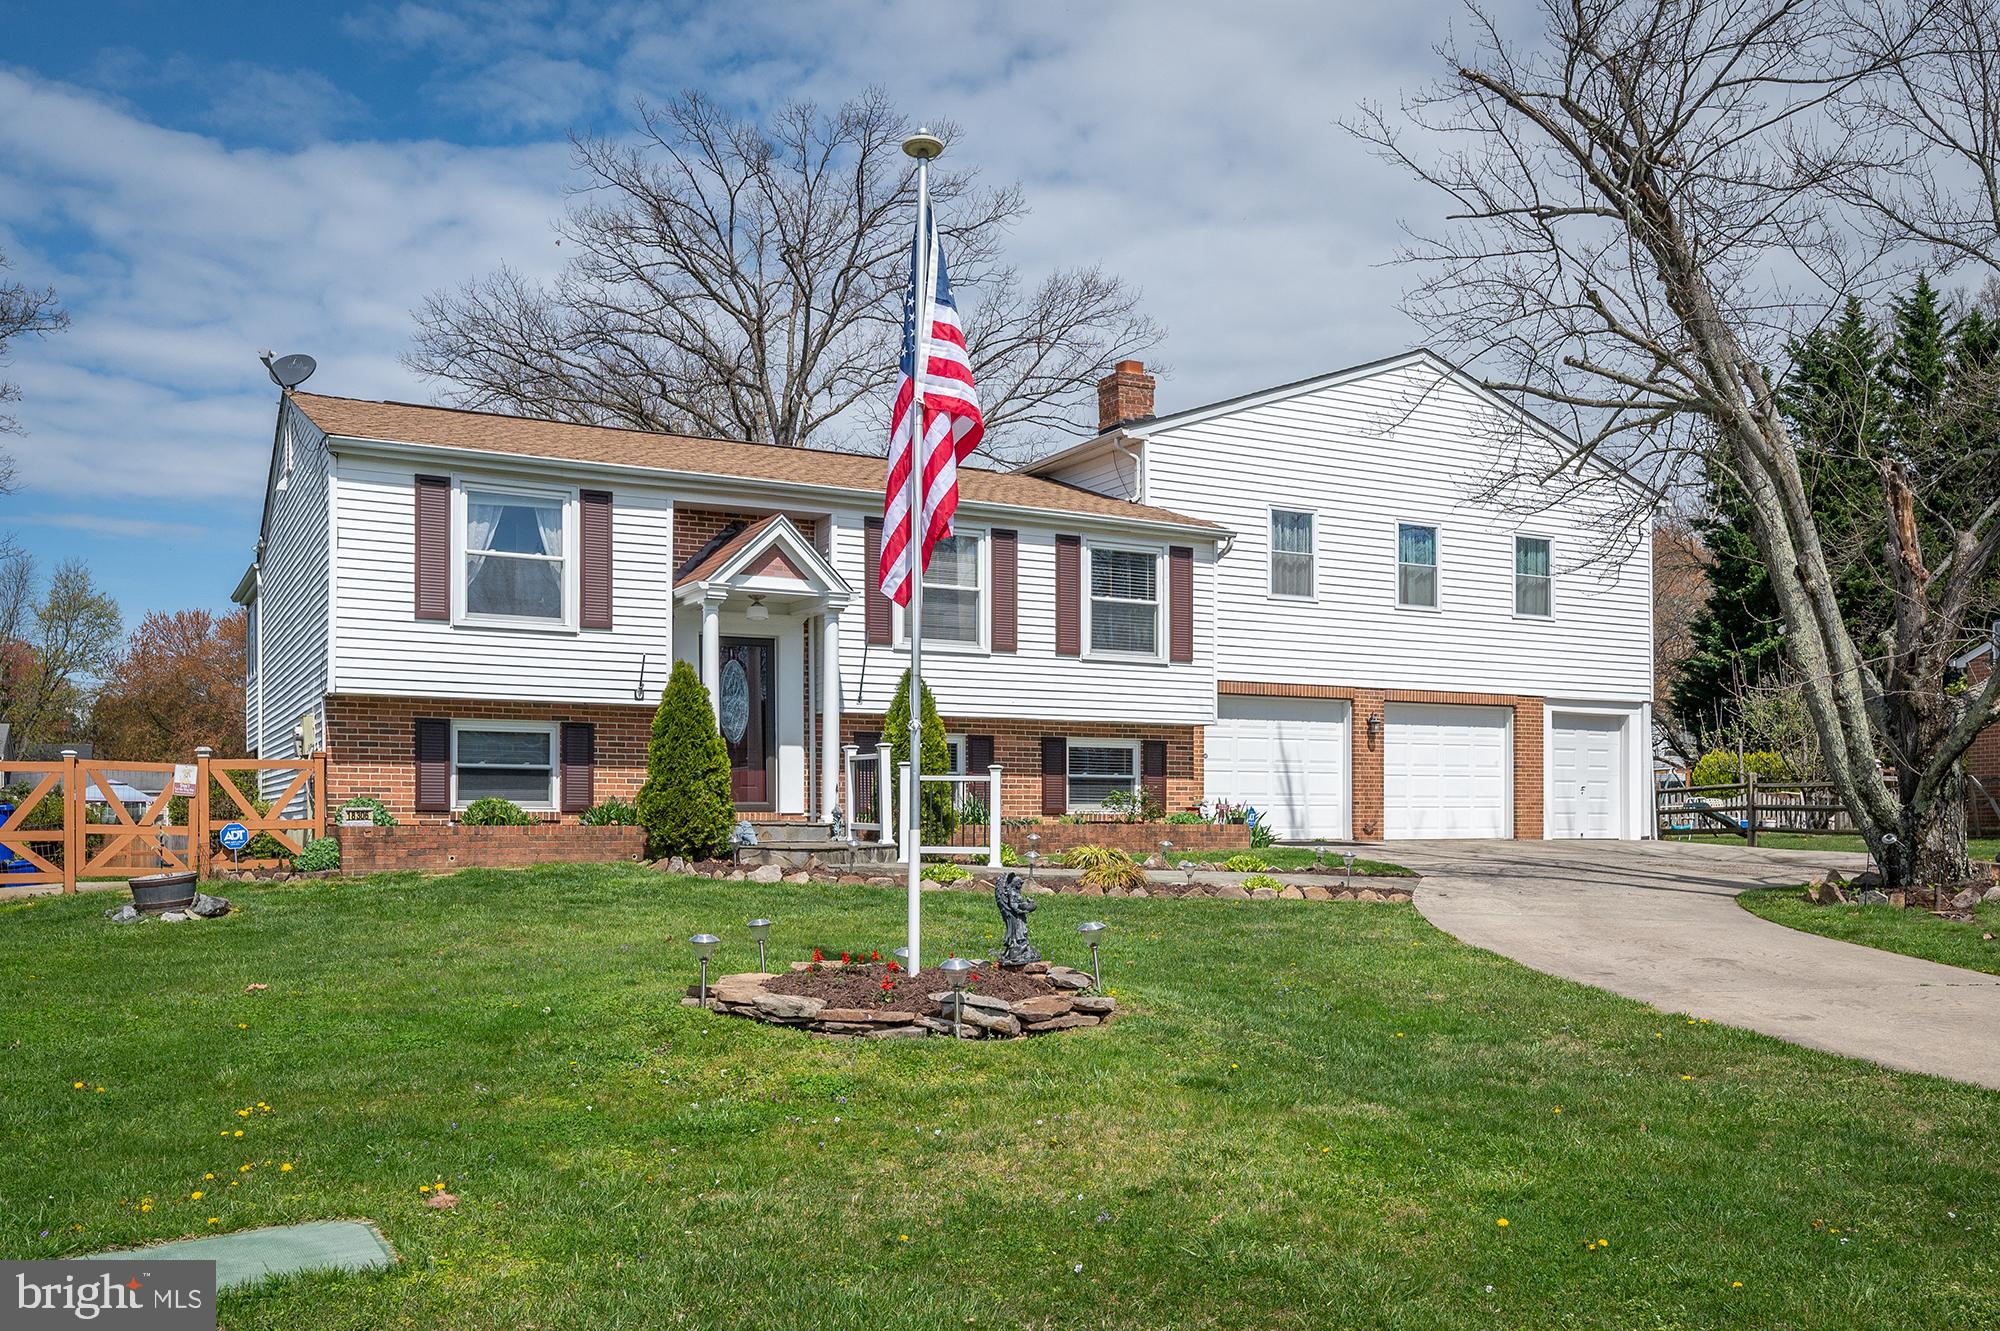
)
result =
(758, 610)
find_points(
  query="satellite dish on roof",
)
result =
(288, 372)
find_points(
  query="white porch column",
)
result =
(711, 655)
(829, 707)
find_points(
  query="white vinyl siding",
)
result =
(1098, 768)
(1291, 554)
(292, 666)
(384, 649)
(1394, 445)
(504, 760)
(1534, 580)
(1032, 683)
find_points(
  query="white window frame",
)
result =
(552, 729)
(1158, 554)
(1271, 553)
(985, 613)
(1075, 742)
(1437, 567)
(1515, 551)
(461, 488)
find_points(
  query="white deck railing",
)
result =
(968, 791)
(873, 771)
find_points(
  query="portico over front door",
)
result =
(745, 700)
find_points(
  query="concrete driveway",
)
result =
(1657, 922)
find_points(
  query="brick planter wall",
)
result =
(1141, 839)
(442, 847)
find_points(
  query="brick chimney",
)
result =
(1124, 395)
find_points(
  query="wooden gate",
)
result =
(45, 849)
(119, 819)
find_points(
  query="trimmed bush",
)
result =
(1246, 864)
(494, 813)
(613, 812)
(685, 805)
(320, 855)
(1718, 767)
(940, 819)
(378, 812)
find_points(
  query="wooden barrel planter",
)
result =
(156, 892)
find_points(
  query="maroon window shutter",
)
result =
(978, 754)
(1069, 596)
(433, 553)
(875, 605)
(579, 766)
(1153, 768)
(1005, 636)
(595, 545)
(1180, 603)
(1055, 775)
(433, 762)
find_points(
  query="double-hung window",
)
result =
(1098, 768)
(516, 556)
(1534, 581)
(1124, 601)
(1291, 553)
(1416, 566)
(955, 592)
(498, 760)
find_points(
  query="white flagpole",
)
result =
(922, 146)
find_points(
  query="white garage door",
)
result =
(1286, 757)
(1586, 775)
(1444, 771)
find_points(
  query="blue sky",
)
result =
(201, 181)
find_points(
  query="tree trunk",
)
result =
(1931, 844)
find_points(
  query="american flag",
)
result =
(952, 425)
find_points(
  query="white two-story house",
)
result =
(1293, 599)
(456, 604)
(1395, 655)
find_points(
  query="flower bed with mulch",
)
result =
(879, 1000)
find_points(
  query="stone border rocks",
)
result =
(1066, 1006)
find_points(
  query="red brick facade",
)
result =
(694, 528)
(1982, 761)
(1367, 744)
(1017, 748)
(439, 849)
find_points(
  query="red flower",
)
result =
(817, 956)
(893, 968)
(874, 956)
(887, 985)
(843, 958)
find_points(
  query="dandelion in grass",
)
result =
(76, 1085)
(285, 1168)
(195, 1196)
(215, 1220)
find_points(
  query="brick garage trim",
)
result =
(1141, 839)
(442, 848)
(1017, 748)
(1366, 758)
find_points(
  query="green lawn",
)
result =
(1296, 857)
(1314, 1116)
(1983, 848)
(1914, 933)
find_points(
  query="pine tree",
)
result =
(685, 804)
(940, 816)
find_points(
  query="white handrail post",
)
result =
(993, 816)
(885, 790)
(907, 806)
(847, 752)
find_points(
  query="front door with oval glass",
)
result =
(748, 723)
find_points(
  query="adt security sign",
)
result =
(234, 836)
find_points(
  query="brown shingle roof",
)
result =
(486, 432)
(724, 552)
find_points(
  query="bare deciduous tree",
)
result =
(745, 281)
(1639, 199)
(22, 313)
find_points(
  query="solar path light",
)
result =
(1092, 930)
(760, 930)
(704, 948)
(957, 970)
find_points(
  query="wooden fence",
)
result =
(1747, 808)
(83, 830)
